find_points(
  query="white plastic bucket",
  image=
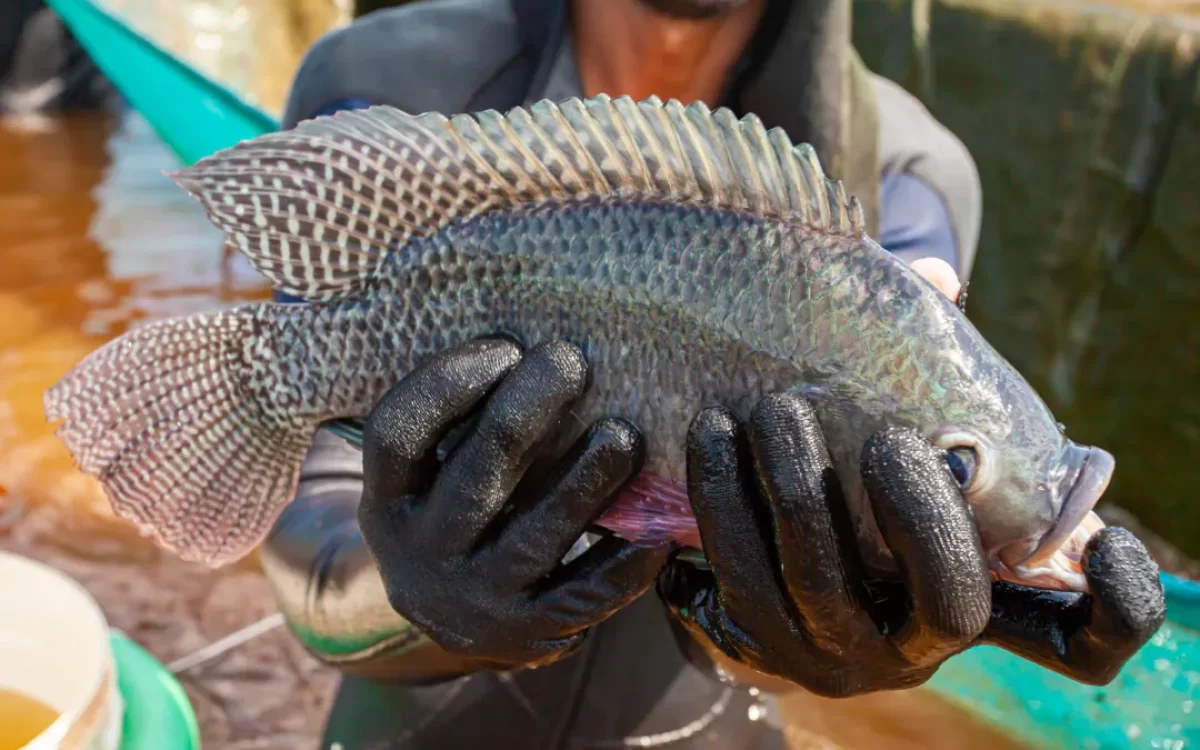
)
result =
(54, 647)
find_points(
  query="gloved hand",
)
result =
(470, 548)
(786, 595)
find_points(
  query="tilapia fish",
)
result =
(696, 259)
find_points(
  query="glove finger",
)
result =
(929, 530)
(537, 536)
(818, 553)
(1129, 601)
(403, 429)
(607, 577)
(688, 593)
(1085, 637)
(735, 533)
(478, 478)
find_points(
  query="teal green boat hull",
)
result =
(1153, 703)
(194, 115)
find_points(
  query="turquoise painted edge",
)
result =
(194, 115)
(1183, 601)
(158, 714)
(1153, 703)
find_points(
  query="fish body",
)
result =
(694, 258)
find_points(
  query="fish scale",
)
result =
(695, 258)
(563, 270)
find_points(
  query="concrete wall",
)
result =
(1084, 124)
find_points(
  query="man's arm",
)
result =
(327, 585)
(914, 222)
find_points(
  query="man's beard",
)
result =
(693, 9)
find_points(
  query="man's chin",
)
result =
(693, 9)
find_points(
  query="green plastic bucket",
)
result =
(158, 714)
(1153, 703)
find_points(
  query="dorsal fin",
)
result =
(319, 207)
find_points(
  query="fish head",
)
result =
(1031, 490)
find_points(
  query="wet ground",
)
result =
(94, 237)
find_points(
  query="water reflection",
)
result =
(156, 239)
(95, 237)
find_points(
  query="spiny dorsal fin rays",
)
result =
(695, 156)
(318, 209)
(562, 126)
(759, 188)
(608, 147)
(568, 176)
(612, 120)
(711, 153)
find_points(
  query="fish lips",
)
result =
(1087, 486)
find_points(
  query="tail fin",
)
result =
(166, 418)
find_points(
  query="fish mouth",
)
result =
(1055, 562)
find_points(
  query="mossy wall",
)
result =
(1084, 123)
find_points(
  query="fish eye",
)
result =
(963, 462)
(969, 457)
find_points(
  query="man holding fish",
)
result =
(873, 488)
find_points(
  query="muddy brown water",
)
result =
(92, 238)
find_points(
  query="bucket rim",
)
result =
(158, 713)
(97, 626)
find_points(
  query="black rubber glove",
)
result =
(1088, 638)
(785, 593)
(470, 549)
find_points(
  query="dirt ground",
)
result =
(268, 694)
